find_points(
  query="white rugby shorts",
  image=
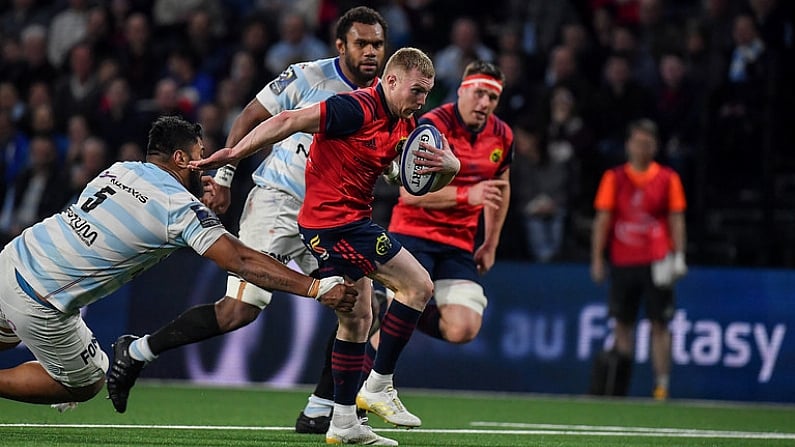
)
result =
(269, 223)
(62, 343)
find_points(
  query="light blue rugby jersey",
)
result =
(298, 86)
(126, 220)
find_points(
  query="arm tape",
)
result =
(224, 175)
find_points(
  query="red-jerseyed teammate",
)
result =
(356, 137)
(439, 229)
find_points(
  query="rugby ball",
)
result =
(420, 184)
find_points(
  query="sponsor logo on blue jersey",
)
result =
(278, 85)
(206, 217)
(128, 189)
(81, 227)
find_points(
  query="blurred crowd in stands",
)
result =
(81, 81)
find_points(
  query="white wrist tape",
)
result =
(326, 284)
(392, 173)
(224, 175)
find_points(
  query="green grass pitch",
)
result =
(163, 414)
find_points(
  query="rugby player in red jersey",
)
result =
(357, 135)
(440, 228)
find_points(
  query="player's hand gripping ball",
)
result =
(415, 183)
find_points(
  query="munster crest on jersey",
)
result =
(496, 155)
(399, 145)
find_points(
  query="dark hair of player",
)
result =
(359, 14)
(170, 133)
(486, 68)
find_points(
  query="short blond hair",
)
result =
(407, 59)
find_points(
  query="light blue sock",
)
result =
(317, 406)
(139, 350)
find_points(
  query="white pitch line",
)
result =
(639, 431)
(567, 430)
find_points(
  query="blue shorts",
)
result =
(352, 250)
(442, 261)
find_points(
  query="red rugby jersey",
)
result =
(358, 138)
(484, 155)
